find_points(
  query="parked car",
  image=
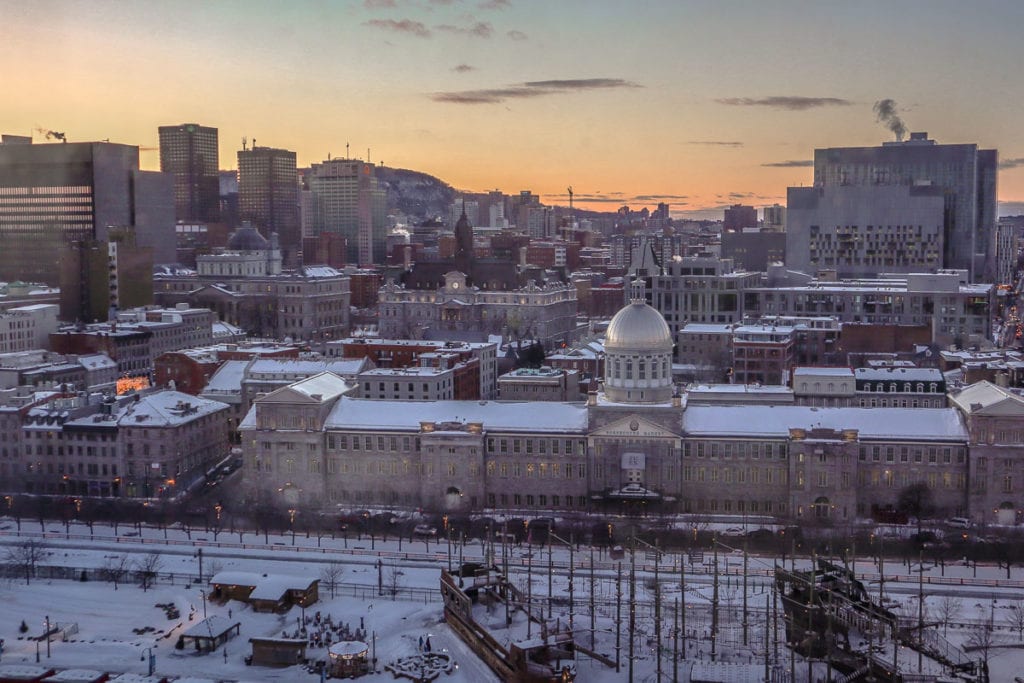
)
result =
(425, 530)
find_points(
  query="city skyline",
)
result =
(700, 105)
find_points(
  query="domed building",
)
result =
(248, 254)
(638, 355)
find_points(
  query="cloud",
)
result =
(463, 68)
(531, 89)
(790, 163)
(495, 4)
(378, 4)
(790, 102)
(716, 143)
(481, 29)
(409, 26)
(741, 195)
(1011, 163)
(516, 35)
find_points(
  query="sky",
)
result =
(699, 104)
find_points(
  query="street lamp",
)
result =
(152, 659)
(47, 636)
(291, 522)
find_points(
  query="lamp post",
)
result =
(291, 522)
(47, 636)
(152, 659)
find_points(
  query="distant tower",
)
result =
(189, 152)
(464, 243)
(268, 196)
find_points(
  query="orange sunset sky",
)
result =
(699, 104)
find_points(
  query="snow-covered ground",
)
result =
(116, 626)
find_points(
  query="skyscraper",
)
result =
(965, 175)
(268, 196)
(57, 194)
(349, 201)
(189, 153)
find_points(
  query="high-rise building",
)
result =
(189, 153)
(775, 217)
(52, 195)
(739, 216)
(965, 174)
(268, 196)
(348, 200)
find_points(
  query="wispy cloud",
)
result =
(790, 163)
(409, 26)
(378, 4)
(481, 29)
(618, 198)
(495, 4)
(463, 68)
(1011, 163)
(531, 89)
(716, 143)
(516, 35)
(790, 102)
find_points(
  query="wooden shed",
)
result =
(277, 651)
(208, 634)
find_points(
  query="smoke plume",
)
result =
(885, 112)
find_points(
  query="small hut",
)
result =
(277, 651)
(208, 634)
(348, 659)
(22, 673)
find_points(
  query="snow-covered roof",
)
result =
(807, 371)
(326, 385)
(296, 368)
(76, 676)
(14, 672)
(739, 389)
(210, 627)
(928, 424)
(167, 408)
(535, 416)
(228, 377)
(96, 361)
(320, 271)
(983, 395)
(265, 586)
(707, 328)
(907, 374)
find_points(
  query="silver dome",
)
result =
(638, 327)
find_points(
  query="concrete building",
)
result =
(475, 364)
(268, 196)
(540, 384)
(753, 249)
(348, 200)
(92, 373)
(145, 445)
(1007, 252)
(739, 216)
(900, 387)
(862, 231)
(460, 313)
(965, 175)
(24, 328)
(57, 194)
(415, 383)
(633, 446)
(189, 153)
(701, 290)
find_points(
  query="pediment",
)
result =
(635, 426)
(287, 395)
(1006, 407)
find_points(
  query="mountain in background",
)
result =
(418, 195)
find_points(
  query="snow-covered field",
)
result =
(116, 626)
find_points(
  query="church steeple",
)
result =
(463, 242)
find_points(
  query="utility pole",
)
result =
(920, 610)
(682, 599)
(529, 592)
(618, 615)
(745, 613)
(593, 615)
(714, 605)
(632, 602)
(675, 642)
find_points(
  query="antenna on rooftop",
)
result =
(346, 151)
(245, 141)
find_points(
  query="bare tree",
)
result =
(393, 580)
(1015, 618)
(146, 569)
(947, 609)
(114, 569)
(25, 556)
(982, 640)
(330, 577)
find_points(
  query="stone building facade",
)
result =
(628, 448)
